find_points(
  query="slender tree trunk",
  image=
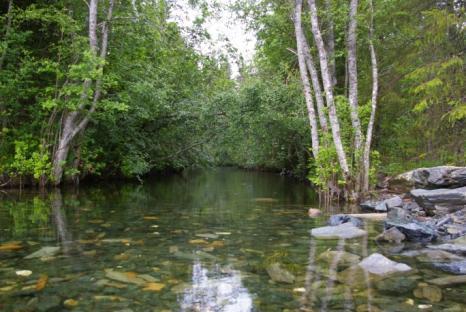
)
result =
(61, 153)
(327, 82)
(353, 76)
(315, 84)
(305, 78)
(330, 41)
(71, 125)
(375, 87)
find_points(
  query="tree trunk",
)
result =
(330, 41)
(353, 76)
(375, 87)
(315, 84)
(305, 78)
(71, 126)
(61, 153)
(327, 82)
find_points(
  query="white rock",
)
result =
(47, 251)
(24, 273)
(342, 231)
(380, 265)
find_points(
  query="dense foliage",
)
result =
(155, 86)
(164, 105)
(420, 47)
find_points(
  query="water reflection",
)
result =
(59, 219)
(323, 289)
(219, 289)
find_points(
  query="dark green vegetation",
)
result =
(154, 103)
(420, 46)
(199, 242)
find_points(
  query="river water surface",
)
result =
(201, 241)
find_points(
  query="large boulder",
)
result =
(440, 201)
(412, 229)
(415, 231)
(430, 178)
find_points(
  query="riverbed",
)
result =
(199, 241)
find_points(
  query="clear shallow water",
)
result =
(201, 241)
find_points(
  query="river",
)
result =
(200, 241)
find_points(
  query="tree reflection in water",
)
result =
(216, 290)
(59, 218)
(313, 298)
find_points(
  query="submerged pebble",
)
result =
(24, 273)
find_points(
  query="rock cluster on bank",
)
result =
(432, 211)
(432, 207)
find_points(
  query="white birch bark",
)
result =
(331, 41)
(353, 75)
(305, 78)
(327, 82)
(315, 84)
(375, 87)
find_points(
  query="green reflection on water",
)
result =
(201, 241)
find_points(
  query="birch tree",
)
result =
(74, 122)
(375, 87)
(330, 40)
(315, 83)
(327, 82)
(353, 76)
(305, 78)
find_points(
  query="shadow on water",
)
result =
(201, 241)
